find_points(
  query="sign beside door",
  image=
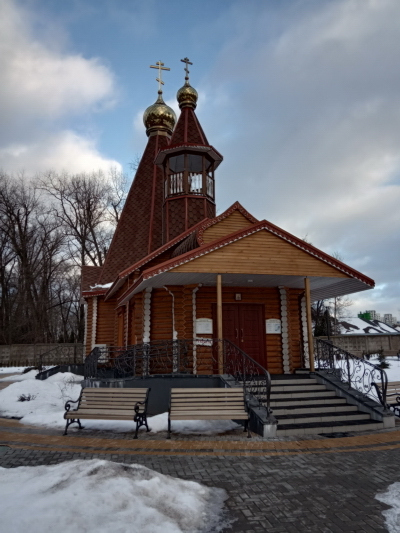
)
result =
(273, 325)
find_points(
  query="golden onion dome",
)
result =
(159, 117)
(187, 96)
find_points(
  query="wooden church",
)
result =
(175, 270)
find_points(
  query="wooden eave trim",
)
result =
(128, 293)
(236, 236)
(237, 206)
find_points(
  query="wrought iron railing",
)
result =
(59, 355)
(199, 356)
(357, 373)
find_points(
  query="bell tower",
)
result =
(188, 165)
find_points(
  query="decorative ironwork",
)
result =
(70, 421)
(357, 373)
(61, 354)
(183, 356)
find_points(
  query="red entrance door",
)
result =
(243, 324)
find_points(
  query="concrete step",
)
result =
(307, 401)
(302, 387)
(288, 430)
(299, 410)
(318, 417)
(293, 382)
(302, 394)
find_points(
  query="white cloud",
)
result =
(316, 115)
(41, 86)
(64, 151)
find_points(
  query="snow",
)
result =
(392, 516)
(204, 427)
(46, 408)
(99, 286)
(10, 369)
(21, 377)
(361, 326)
(101, 496)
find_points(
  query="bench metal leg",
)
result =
(247, 428)
(141, 420)
(72, 421)
(169, 427)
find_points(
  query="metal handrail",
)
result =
(182, 356)
(56, 349)
(356, 372)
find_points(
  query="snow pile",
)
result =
(100, 496)
(11, 369)
(21, 377)
(392, 516)
(204, 427)
(47, 398)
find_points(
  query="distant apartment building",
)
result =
(374, 315)
(390, 319)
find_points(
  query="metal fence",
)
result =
(356, 372)
(183, 356)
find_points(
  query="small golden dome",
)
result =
(159, 117)
(187, 96)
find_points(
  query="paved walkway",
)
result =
(324, 485)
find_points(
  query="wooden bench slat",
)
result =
(210, 389)
(208, 404)
(113, 390)
(86, 416)
(241, 416)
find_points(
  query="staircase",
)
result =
(304, 407)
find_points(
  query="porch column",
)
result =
(309, 324)
(219, 325)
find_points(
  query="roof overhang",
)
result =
(321, 287)
(189, 147)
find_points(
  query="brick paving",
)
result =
(324, 485)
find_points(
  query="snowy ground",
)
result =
(47, 400)
(392, 516)
(101, 496)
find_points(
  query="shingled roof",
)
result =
(139, 230)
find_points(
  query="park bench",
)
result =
(392, 395)
(208, 404)
(109, 404)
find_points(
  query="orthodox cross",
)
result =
(187, 62)
(160, 67)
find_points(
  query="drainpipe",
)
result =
(194, 328)
(94, 321)
(175, 354)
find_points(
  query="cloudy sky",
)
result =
(302, 97)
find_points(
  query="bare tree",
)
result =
(32, 255)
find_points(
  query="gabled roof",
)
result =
(339, 284)
(198, 230)
(263, 225)
(223, 216)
